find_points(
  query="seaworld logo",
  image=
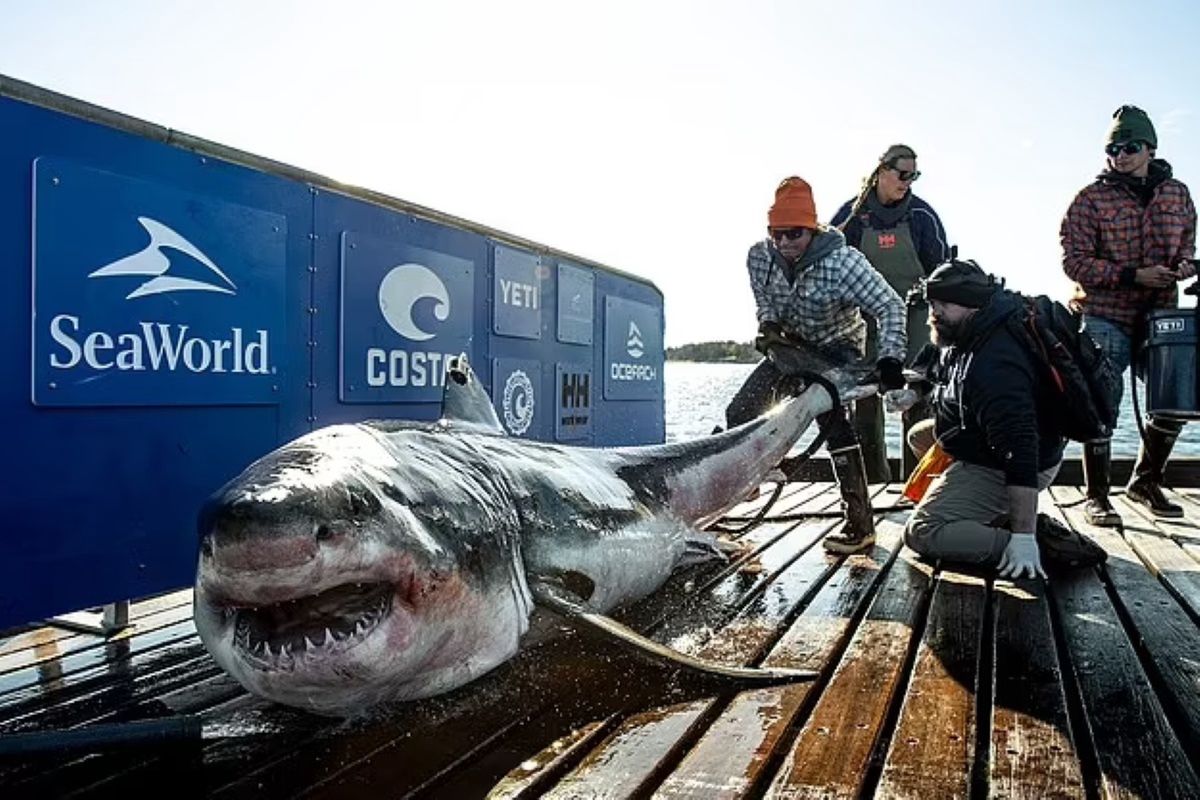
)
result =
(399, 292)
(160, 346)
(152, 261)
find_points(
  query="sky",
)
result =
(646, 135)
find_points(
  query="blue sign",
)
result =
(576, 301)
(573, 384)
(633, 350)
(517, 294)
(145, 294)
(413, 310)
(516, 384)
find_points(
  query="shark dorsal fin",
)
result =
(464, 400)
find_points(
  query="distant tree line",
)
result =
(733, 352)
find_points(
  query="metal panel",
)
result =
(573, 389)
(632, 350)
(102, 493)
(516, 293)
(517, 395)
(404, 311)
(148, 295)
(576, 304)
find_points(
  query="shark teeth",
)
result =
(331, 621)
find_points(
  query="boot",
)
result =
(1097, 474)
(858, 531)
(1146, 485)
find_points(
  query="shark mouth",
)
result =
(286, 634)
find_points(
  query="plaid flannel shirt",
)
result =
(1107, 235)
(823, 306)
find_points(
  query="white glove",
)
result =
(1021, 555)
(900, 400)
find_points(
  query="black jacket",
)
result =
(991, 401)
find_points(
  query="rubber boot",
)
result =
(1097, 474)
(1146, 485)
(858, 531)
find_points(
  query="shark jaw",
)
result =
(341, 649)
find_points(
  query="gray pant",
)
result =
(951, 522)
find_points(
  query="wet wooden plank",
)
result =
(27, 661)
(534, 774)
(155, 764)
(632, 755)
(1033, 751)
(1168, 634)
(681, 603)
(30, 636)
(831, 755)
(1161, 553)
(83, 672)
(732, 757)
(933, 748)
(1137, 752)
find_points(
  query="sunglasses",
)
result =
(905, 175)
(1128, 148)
(779, 234)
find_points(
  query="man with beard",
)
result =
(1128, 239)
(812, 288)
(992, 415)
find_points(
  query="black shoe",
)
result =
(1064, 547)
(1151, 496)
(1100, 512)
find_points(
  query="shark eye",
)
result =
(324, 533)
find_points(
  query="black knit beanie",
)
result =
(961, 282)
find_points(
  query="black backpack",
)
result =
(1084, 379)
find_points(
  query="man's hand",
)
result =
(769, 333)
(1155, 277)
(1021, 556)
(891, 374)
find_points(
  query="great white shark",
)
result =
(393, 560)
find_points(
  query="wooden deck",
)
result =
(933, 684)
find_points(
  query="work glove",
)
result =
(1021, 556)
(769, 335)
(891, 374)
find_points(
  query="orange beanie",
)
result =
(794, 206)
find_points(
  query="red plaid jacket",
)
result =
(1107, 235)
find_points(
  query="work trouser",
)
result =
(952, 521)
(868, 412)
(766, 386)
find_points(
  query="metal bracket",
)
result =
(112, 618)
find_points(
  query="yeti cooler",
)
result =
(1171, 364)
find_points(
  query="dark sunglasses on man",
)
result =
(779, 234)
(905, 175)
(1128, 148)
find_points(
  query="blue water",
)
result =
(698, 393)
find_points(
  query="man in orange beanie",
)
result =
(812, 288)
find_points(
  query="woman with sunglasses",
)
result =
(813, 290)
(1128, 239)
(903, 238)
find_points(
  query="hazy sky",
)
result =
(651, 135)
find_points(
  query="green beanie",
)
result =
(1131, 124)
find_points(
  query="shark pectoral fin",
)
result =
(553, 597)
